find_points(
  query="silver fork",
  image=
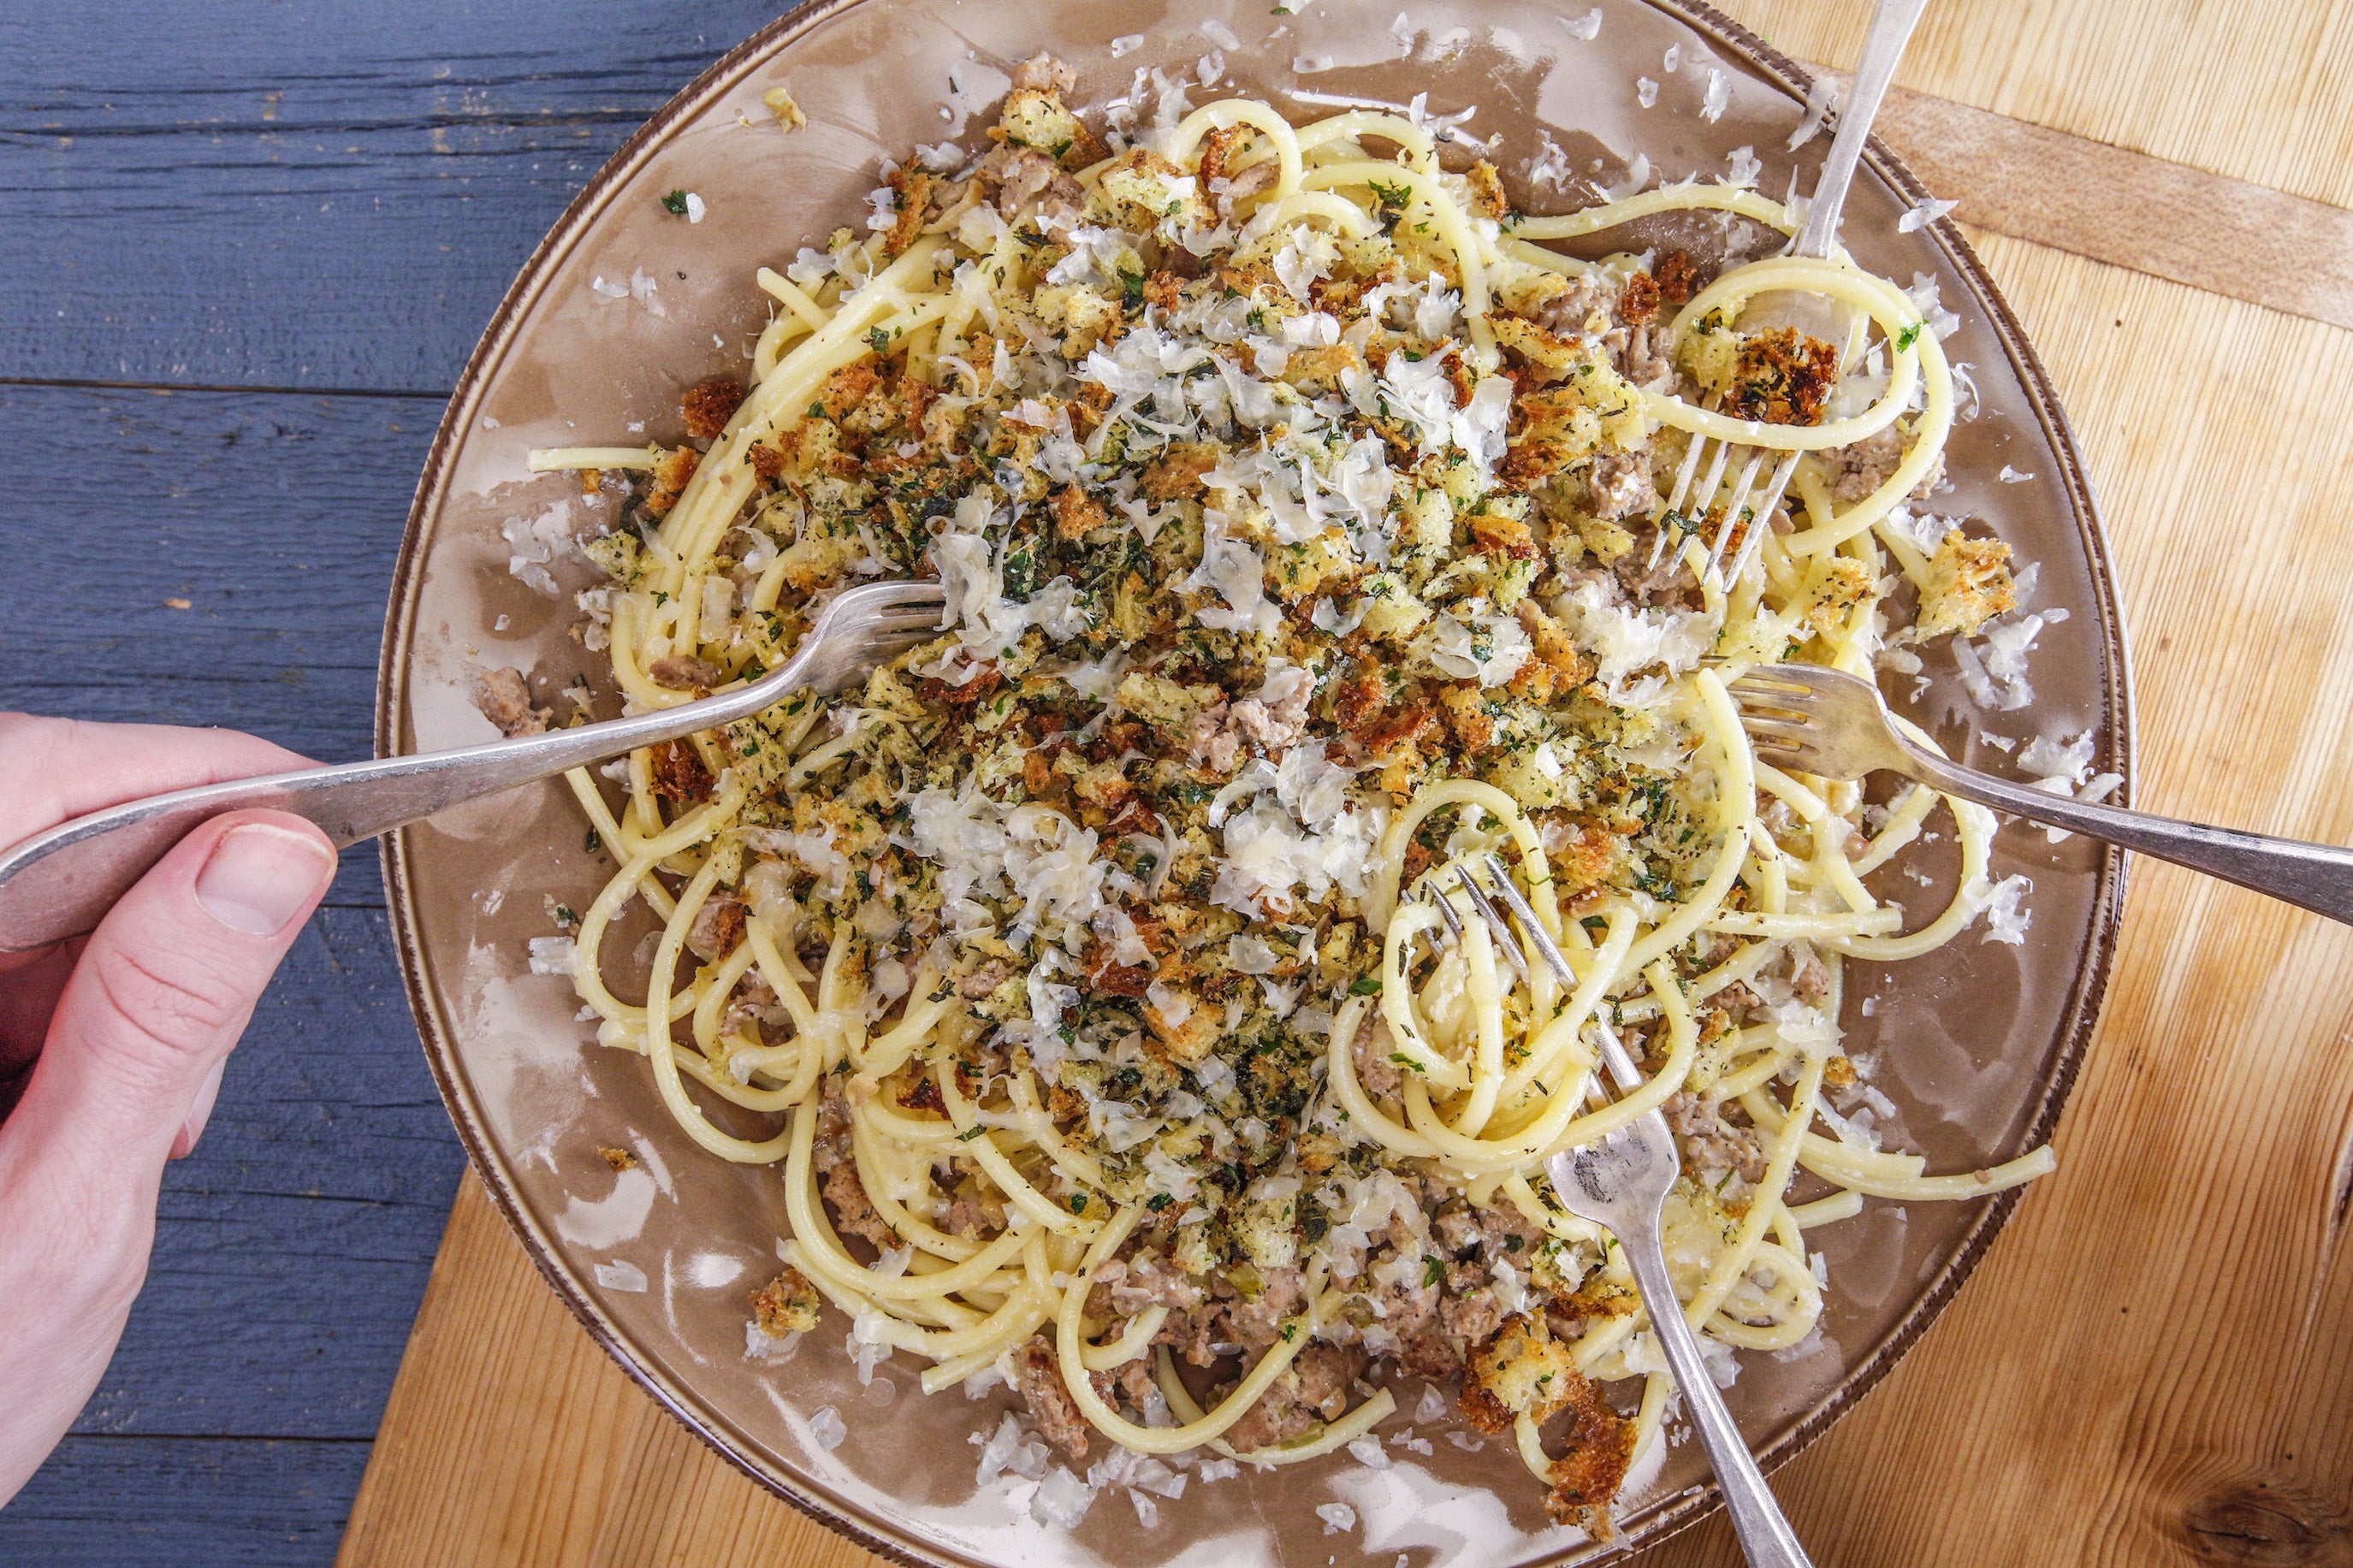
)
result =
(1834, 725)
(59, 883)
(1622, 1183)
(1891, 22)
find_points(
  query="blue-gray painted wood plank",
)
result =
(277, 517)
(184, 1502)
(328, 195)
(326, 199)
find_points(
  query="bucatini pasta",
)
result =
(1079, 976)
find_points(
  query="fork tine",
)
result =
(1732, 513)
(1614, 1057)
(1546, 949)
(1496, 923)
(1790, 731)
(1692, 454)
(1750, 546)
(906, 591)
(1446, 908)
(1768, 686)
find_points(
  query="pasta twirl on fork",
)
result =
(1080, 974)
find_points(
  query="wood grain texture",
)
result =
(2155, 1363)
(183, 1502)
(333, 196)
(577, 1467)
(292, 1248)
(2226, 237)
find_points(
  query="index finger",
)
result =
(53, 770)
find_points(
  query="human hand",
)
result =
(112, 1046)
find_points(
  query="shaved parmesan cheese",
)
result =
(1488, 649)
(1061, 1499)
(2066, 761)
(1626, 641)
(1821, 99)
(1923, 295)
(1718, 95)
(826, 1428)
(1235, 570)
(2006, 915)
(1919, 217)
(1031, 852)
(620, 1275)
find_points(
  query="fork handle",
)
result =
(61, 883)
(1766, 1537)
(1891, 22)
(2315, 876)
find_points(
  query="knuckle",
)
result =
(172, 1001)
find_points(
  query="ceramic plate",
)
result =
(1982, 1038)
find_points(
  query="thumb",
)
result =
(164, 988)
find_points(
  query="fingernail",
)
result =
(259, 878)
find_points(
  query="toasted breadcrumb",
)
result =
(1782, 377)
(1593, 1461)
(786, 1305)
(671, 473)
(618, 1159)
(1969, 584)
(1487, 191)
(708, 406)
(1521, 1371)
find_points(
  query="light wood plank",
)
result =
(2154, 1363)
(2028, 182)
(511, 1440)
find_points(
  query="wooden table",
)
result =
(2155, 1363)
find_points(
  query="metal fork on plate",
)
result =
(1622, 1182)
(59, 883)
(1891, 29)
(1833, 724)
